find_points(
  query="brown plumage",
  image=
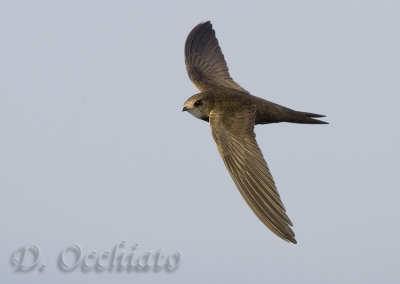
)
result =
(232, 113)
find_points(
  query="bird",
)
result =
(232, 113)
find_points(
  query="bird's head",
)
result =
(199, 105)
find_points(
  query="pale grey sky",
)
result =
(95, 149)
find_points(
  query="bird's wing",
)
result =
(204, 60)
(236, 142)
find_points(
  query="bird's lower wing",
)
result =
(244, 160)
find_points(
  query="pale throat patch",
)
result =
(196, 113)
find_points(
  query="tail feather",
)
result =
(309, 120)
(306, 118)
(268, 112)
(309, 114)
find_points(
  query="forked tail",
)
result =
(305, 117)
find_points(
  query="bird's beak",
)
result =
(184, 109)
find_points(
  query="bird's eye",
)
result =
(198, 103)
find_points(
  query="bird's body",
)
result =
(267, 112)
(232, 113)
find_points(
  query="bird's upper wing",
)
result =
(236, 142)
(204, 60)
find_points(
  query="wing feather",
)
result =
(244, 160)
(204, 60)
